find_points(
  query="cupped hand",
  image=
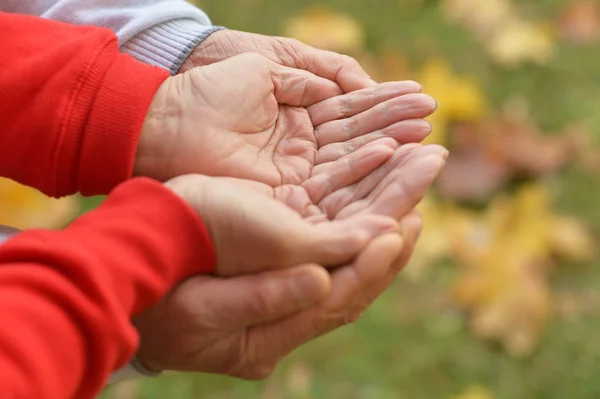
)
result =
(246, 117)
(244, 326)
(254, 227)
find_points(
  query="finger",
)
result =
(329, 177)
(300, 88)
(335, 202)
(410, 226)
(402, 189)
(239, 302)
(408, 131)
(359, 101)
(410, 106)
(332, 244)
(342, 69)
(277, 339)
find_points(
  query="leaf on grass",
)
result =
(484, 157)
(24, 207)
(520, 42)
(510, 39)
(504, 257)
(460, 98)
(472, 171)
(326, 29)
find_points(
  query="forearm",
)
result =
(67, 297)
(76, 108)
(157, 32)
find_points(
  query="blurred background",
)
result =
(502, 299)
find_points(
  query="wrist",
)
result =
(206, 52)
(169, 44)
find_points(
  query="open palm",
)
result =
(248, 117)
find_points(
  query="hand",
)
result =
(254, 227)
(244, 326)
(230, 119)
(225, 326)
(341, 69)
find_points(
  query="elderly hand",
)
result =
(244, 326)
(341, 69)
(254, 227)
(245, 117)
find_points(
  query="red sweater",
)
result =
(71, 109)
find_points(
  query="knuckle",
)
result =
(350, 127)
(262, 303)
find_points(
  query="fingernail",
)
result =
(437, 105)
(309, 288)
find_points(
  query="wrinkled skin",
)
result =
(244, 326)
(250, 118)
(350, 164)
(341, 69)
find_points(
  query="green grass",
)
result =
(412, 343)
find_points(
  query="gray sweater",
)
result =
(156, 32)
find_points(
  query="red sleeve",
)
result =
(71, 106)
(66, 297)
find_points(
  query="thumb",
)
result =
(240, 302)
(299, 88)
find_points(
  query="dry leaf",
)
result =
(482, 17)
(509, 38)
(24, 207)
(580, 22)
(326, 29)
(521, 145)
(504, 256)
(520, 42)
(460, 98)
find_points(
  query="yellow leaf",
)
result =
(326, 29)
(504, 256)
(519, 42)
(475, 392)
(460, 98)
(23, 207)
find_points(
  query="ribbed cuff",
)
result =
(169, 44)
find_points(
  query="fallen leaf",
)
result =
(520, 42)
(460, 98)
(504, 257)
(509, 38)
